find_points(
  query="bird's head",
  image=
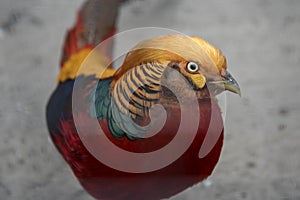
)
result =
(202, 65)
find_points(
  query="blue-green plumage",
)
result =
(103, 107)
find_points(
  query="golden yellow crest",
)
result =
(175, 48)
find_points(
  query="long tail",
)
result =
(96, 21)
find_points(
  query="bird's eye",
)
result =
(192, 67)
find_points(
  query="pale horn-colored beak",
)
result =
(227, 82)
(231, 84)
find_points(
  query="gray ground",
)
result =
(260, 38)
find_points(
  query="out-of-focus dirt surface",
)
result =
(260, 38)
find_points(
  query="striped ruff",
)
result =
(138, 89)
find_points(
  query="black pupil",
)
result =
(193, 67)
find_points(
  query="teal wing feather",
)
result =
(100, 99)
(103, 107)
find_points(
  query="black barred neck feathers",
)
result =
(138, 89)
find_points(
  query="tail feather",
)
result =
(71, 45)
(96, 21)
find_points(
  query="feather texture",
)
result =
(176, 48)
(119, 101)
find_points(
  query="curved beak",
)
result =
(227, 82)
(231, 84)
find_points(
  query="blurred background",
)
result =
(260, 38)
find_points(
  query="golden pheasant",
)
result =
(179, 73)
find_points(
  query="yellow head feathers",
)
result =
(175, 48)
(214, 53)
